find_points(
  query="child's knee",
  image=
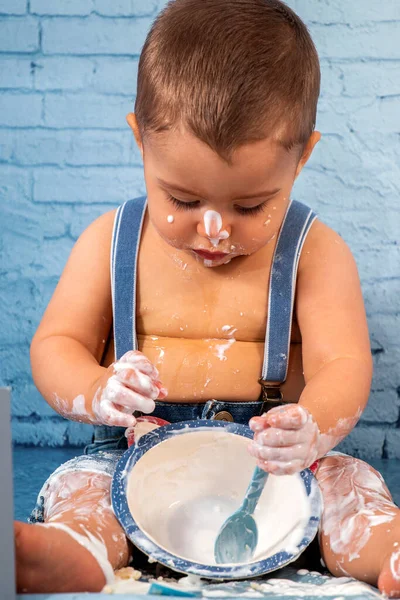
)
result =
(81, 491)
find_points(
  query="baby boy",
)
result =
(224, 299)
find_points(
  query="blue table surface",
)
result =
(33, 465)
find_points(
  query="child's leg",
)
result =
(81, 541)
(360, 529)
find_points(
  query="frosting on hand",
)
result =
(133, 385)
(286, 440)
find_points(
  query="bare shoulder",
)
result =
(99, 232)
(325, 251)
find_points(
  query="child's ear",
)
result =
(312, 142)
(133, 124)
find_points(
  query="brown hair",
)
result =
(231, 71)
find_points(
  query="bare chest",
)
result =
(203, 328)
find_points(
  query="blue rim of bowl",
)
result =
(157, 554)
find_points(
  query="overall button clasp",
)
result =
(223, 415)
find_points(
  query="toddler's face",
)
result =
(215, 211)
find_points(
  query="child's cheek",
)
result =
(175, 229)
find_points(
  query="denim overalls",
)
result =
(110, 442)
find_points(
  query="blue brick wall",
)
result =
(67, 80)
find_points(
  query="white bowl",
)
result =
(173, 491)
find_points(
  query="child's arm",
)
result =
(68, 347)
(337, 360)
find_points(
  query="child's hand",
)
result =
(286, 440)
(129, 384)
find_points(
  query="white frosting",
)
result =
(213, 225)
(182, 490)
(95, 546)
(350, 512)
(395, 565)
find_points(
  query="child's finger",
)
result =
(111, 415)
(286, 454)
(287, 417)
(162, 391)
(137, 381)
(278, 438)
(277, 468)
(139, 361)
(132, 400)
(258, 423)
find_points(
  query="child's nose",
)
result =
(214, 235)
(211, 226)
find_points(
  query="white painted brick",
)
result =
(19, 35)
(15, 72)
(86, 110)
(13, 7)
(20, 110)
(90, 185)
(94, 35)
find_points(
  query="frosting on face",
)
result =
(213, 225)
(203, 476)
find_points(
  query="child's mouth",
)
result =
(211, 255)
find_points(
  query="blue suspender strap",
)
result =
(295, 227)
(124, 255)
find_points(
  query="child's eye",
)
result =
(179, 205)
(253, 210)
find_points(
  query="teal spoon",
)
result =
(238, 536)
